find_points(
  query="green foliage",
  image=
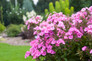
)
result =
(19, 1)
(62, 3)
(71, 51)
(46, 11)
(51, 7)
(6, 7)
(13, 30)
(67, 11)
(2, 27)
(7, 10)
(78, 4)
(42, 5)
(67, 3)
(1, 14)
(15, 14)
(11, 12)
(61, 6)
(72, 10)
(57, 6)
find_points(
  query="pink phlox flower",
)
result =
(27, 54)
(91, 51)
(84, 48)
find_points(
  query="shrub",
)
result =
(31, 20)
(63, 38)
(29, 15)
(15, 14)
(27, 34)
(80, 4)
(7, 10)
(42, 5)
(57, 6)
(51, 7)
(13, 30)
(46, 11)
(60, 6)
(2, 27)
(1, 14)
(5, 6)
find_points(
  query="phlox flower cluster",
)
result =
(85, 48)
(33, 21)
(57, 30)
(88, 29)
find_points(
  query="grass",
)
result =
(13, 53)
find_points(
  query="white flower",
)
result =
(23, 7)
(27, 13)
(20, 11)
(24, 18)
(17, 13)
(12, 8)
(23, 27)
(33, 13)
(20, 8)
(10, 12)
(8, 0)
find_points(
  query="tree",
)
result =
(27, 5)
(42, 5)
(6, 7)
(78, 4)
(1, 14)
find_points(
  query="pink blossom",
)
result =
(53, 42)
(91, 51)
(90, 8)
(44, 53)
(53, 52)
(27, 54)
(84, 48)
(60, 41)
(71, 37)
(65, 37)
(57, 30)
(83, 9)
(28, 27)
(88, 29)
(49, 50)
(57, 44)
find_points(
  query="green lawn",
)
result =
(13, 53)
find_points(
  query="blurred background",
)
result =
(12, 11)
